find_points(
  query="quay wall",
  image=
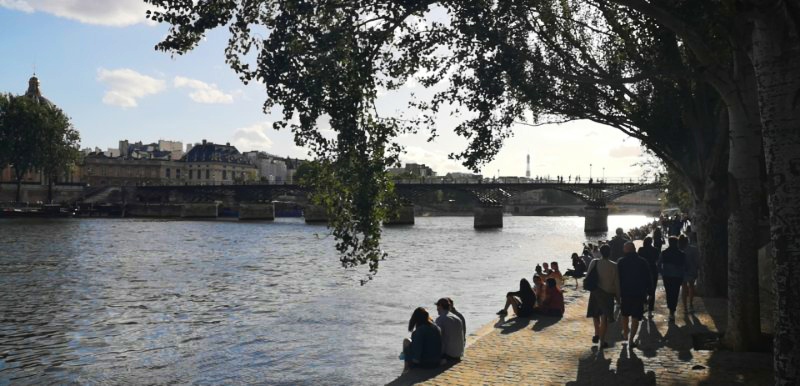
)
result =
(38, 193)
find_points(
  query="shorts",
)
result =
(632, 306)
(600, 303)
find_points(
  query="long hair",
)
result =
(420, 316)
(525, 286)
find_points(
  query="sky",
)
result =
(96, 61)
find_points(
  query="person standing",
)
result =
(616, 243)
(601, 299)
(452, 331)
(672, 265)
(650, 254)
(690, 277)
(658, 239)
(634, 285)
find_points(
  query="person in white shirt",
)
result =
(452, 331)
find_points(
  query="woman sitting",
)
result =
(578, 268)
(424, 349)
(538, 272)
(538, 289)
(553, 304)
(521, 301)
(556, 274)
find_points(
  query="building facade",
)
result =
(210, 163)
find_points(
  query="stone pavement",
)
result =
(543, 351)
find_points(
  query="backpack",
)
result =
(591, 282)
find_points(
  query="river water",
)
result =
(130, 301)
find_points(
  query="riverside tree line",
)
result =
(711, 88)
(35, 135)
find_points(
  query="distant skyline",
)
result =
(96, 61)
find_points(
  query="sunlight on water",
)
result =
(149, 301)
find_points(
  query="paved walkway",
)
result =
(520, 351)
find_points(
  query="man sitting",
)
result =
(452, 332)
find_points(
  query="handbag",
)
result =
(590, 283)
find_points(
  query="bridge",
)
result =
(488, 195)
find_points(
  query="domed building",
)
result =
(34, 92)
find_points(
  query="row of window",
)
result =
(168, 174)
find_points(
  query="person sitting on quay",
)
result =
(538, 289)
(522, 301)
(690, 277)
(452, 332)
(634, 284)
(455, 312)
(424, 349)
(650, 254)
(601, 299)
(538, 271)
(578, 268)
(556, 274)
(553, 304)
(587, 256)
(672, 266)
(546, 269)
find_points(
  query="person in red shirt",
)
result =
(553, 304)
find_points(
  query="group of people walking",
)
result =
(435, 343)
(631, 280)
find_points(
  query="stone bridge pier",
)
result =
(315, 214)
(595, 219)
(488, 216)
(404, 216)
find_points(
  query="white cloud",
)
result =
(625, 152)
(203, 92)
(253, 137)
(116, 13)
(126, 86)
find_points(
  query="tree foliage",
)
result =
(36, 136)
(501, 62)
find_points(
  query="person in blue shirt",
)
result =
(424, 349)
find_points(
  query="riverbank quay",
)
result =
(558, 351)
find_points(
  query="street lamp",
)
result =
(590, 171)
(604, 174)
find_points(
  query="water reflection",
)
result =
(145, 301)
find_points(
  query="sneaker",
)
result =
(502, 312)
(595, 339)
(604, 345)
(632, 344)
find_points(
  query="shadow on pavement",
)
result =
(512, 325)
(417, 375)
(595, 369)
(545, 321)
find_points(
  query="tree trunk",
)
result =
(709, 220)
(743, 330)
(776, 59)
